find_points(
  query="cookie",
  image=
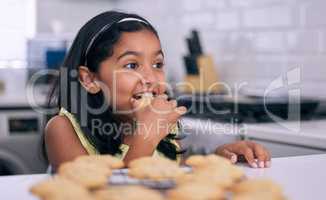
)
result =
(196, 191)
(89, 175)
(106, 160)
(58, 188)
(154, 168)
(216, 166)
(199, 161)
(127, 193)
(145, 100)
(263, 186)
(219, 181)
(235, 173)
(258, 196)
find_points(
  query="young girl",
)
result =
(115, 58)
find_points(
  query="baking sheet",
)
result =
(120, 177)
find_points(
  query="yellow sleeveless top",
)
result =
(91, 150)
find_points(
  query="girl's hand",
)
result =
(155, 119)
(250, 150)
(153, 124)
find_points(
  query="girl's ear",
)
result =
(88, 80)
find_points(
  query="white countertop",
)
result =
(301, 177)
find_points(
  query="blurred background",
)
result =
(253, 46)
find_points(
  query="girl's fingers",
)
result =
(249, 155)
(163, 103)
(180, 110)
(268, 164)
(261, 155)
(173, 103)
(268, 159)
(163, 96)
(231, 156)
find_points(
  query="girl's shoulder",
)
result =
(59, 126)
(57, 120)
(64, 125)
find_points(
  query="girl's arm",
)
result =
(139, 145)
(62, 143)
(182, 156)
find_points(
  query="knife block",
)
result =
(206, 81)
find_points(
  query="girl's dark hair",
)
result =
(69, 94)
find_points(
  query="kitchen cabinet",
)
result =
(282, 142)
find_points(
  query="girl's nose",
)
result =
(148, 77)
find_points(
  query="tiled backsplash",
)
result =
(251, 40)
(255, 41)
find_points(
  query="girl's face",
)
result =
(135, 67)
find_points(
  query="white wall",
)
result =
(251, 40)
(17, 22)
(58, 20)
(72, 14)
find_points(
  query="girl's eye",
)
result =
(158, 65)
(131, 65)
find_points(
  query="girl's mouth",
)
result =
(143, 94)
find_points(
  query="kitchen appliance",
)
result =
(21, 154)
(20, 140)
(245, 109)
(20, 121)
